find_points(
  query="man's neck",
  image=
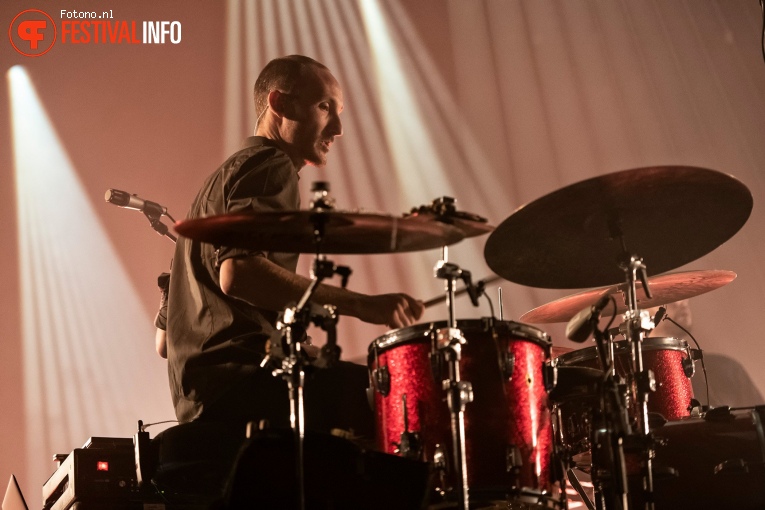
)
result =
(274, 137)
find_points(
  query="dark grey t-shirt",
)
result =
(214, 340)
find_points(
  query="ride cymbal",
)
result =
(578, 236)
(344, 232)
(665, 289)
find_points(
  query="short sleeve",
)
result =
(270, 185)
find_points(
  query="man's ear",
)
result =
(278, 103)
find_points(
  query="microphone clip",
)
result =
(474, 291)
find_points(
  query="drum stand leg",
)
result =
(574, 481)
(291, 366)
(637, 324)
(610, 470)
(458, 393)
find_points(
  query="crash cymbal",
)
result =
(577, 236)
(344, 232)
(665, 289)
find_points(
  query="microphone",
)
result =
(471, 289)
(661, 313)
(581, 326)
(128, 201)
(476, 291)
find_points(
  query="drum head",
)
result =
(622, 347)
(576, 382)
(424, 332)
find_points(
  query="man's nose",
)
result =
(335, 126)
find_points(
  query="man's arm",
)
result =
(264, 284)
(160, 342)
(160, 321)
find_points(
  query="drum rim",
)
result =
(658, 343)
(416, 332)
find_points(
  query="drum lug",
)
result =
(695, 408)
(381, 378)
(436, 365)
(550, 376)
(410, 446)
(439, 458)
(507, 364)
(487, 324)
(513, 459)
(688, 367)
(440, 464)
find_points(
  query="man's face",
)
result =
(313, 120)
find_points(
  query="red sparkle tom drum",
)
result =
(508, 431)
(671, 361)
(672, 365)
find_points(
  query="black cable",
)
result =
(613, 315)
(491, 305)
(497, 348)
(701, 352)
(147, 425)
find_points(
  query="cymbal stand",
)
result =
(638, 323)
(292, 366)
(609, 430)
(449, 341)
(636, 329)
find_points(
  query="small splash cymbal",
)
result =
(665, 289)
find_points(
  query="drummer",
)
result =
(224, 301)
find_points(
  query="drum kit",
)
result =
(501, 421)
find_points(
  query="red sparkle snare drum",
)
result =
(507, 426)
(671, 361)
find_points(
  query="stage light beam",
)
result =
(88, 360)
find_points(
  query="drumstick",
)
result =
(459, 292)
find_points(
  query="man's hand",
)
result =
(393, 310)
(246, 279)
